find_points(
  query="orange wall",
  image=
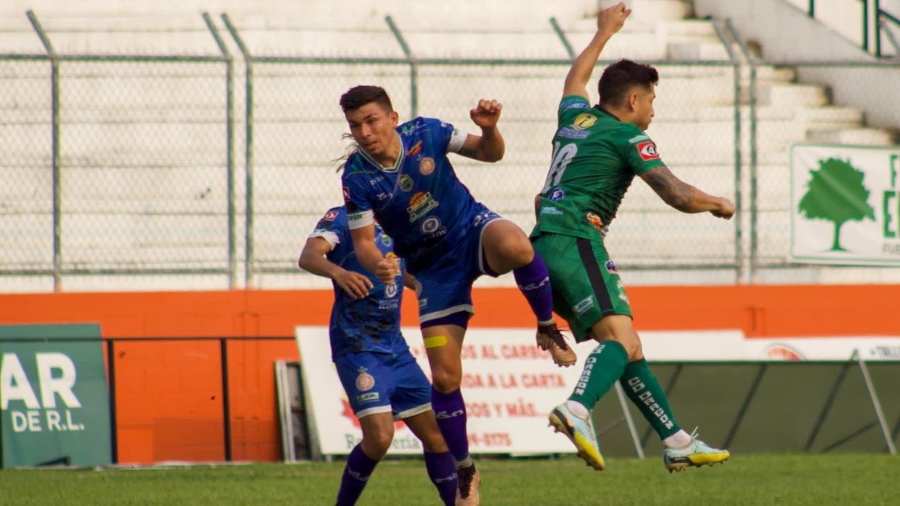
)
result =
(169, 395)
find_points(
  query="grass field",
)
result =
(815, 479)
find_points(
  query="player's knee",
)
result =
(377, 444)
(446, 380)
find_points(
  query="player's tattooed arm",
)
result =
(684, 197)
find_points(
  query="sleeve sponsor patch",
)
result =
(573, 103)
(330, 215)
(647, 150)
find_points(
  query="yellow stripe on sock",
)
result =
(435, 341)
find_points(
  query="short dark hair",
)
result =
(618, 79)
(359, 96)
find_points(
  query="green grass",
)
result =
(814, 479)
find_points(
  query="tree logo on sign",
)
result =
(836, 193)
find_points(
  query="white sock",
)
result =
(578, 409)
(678, 440)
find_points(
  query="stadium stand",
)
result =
(145, 143)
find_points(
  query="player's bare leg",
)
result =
(507, 248)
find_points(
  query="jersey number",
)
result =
(561, 158)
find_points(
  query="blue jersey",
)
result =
(370, 324)
(420, 202)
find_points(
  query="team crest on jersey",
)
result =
(647, 151)
(557, 194)
(583, 121)
(430, 225)
(611, 267)
(413, 151)
(406, 183)
(426, 166)
(390, 290)
(420, 204)
(330, 215)
(346, 192)
(386, 240)
(364, 380)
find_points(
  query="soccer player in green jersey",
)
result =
(597, 152)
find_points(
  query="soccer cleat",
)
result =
(580, 432)
(549, 338)
(469, 481)
(695, 454)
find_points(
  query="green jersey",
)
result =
(595, 159)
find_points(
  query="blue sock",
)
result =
(534, 282)
(442, 471)
(450, 411)
(356, 473)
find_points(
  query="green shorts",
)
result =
(586, 284)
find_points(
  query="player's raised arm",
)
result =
(368, 254)
(489, 146)
(609, 21)
(683, 196)
(312, 259)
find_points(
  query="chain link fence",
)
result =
(210, 171)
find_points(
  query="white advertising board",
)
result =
(509, 386)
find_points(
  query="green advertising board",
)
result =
(54, 397)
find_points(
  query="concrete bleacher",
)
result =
(144, 149)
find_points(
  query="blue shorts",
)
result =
(384, 383)
(447, 282)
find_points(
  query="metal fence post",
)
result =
(413, 68)
(248, 151)
(55, 149)
(229, 142)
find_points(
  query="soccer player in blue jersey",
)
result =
(401, 176)
(382, 380)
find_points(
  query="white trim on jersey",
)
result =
(373, 410)
(328, 235)
(360, 219)
(456, 140)
(449, 311)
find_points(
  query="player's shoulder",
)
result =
(337, 214)
(573, 103)
(418, 125)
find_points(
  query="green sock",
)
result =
(601, 370)
(645, 392)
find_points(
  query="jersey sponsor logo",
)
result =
(364, 380)
(406, 183)
(390, 291)
(430, 225)
(411, 128)
(386, 240)
(369, 397)
(647, 151)
(571, 133)
(638, 138)
(346, 192)
(413, 151)
(573, 103)
(330, 215)
(551, 210)
(557, 194)
(611, 267)
(584, 121)
(420, 204)
(621, 286)
(595, 221)
(583, 305)
(426, 166)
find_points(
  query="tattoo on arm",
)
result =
(672, 190)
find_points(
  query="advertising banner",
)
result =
(54, 401)
(845, 205)
(509, 384)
